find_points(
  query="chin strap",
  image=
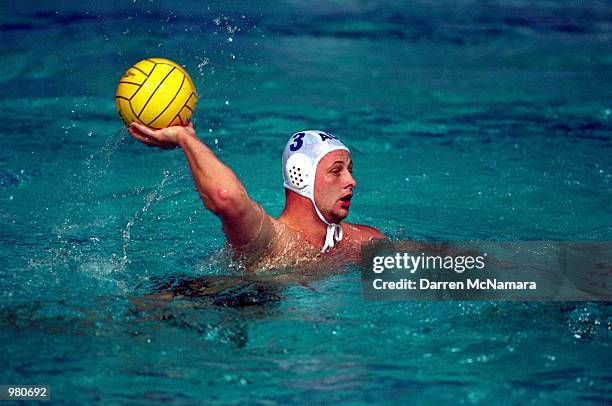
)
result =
(334, 231)
(334, 235)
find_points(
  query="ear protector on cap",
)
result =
(299, 169)
(301, 157)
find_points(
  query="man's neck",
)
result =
(299, 214)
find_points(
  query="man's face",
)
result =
(334, 184)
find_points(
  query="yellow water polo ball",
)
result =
(156, 92)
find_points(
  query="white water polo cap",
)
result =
(301, 157)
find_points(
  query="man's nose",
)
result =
(351, 181)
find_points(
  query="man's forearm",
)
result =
(217, 185)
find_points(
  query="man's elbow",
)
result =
(229, 202)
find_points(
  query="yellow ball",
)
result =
(156, 92)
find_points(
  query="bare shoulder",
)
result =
(361, 232)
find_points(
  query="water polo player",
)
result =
(318, 180)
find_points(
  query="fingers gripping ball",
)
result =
(156, 92)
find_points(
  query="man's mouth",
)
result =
(345, 201)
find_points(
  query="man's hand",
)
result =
(166, 138)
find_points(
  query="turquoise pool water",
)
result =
(475, 120)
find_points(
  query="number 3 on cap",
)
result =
(297, 142)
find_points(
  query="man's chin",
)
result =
(340, 215)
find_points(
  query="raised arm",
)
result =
(221, 191)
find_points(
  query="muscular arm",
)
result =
(221, 191)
